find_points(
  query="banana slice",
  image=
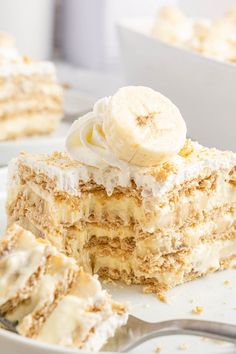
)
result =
(143, 127)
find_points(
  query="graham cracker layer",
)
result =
(122, 209)
(51, 221)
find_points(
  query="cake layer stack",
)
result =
(161, 226)
(30, 97)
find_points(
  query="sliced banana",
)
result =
(143, 127)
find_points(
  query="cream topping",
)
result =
(214, 38)
(8, 54)
(12, 63)
(136, 127)
(86, 141)
(172, 25)
(67, 179)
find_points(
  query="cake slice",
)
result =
(159, 225)
(23, 261)
(58, 278)
(53, 300)
(89, 314)
(30, 97)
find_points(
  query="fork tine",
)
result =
(8, 325)
(126, 335)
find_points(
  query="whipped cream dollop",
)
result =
(86, 141)
(136, 127)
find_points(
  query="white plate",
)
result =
(75, 104)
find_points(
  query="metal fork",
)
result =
(137, 331)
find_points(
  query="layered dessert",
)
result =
(30, 97)
(50, 298)
(215, 38)
(132, 199)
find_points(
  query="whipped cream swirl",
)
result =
(86, 141)
(137, 127)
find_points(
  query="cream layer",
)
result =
(88, 312)
(124, 209)
(153, 186)
(201, 259)
(28, 104)
(19, 264)
(9, 89)
(20, 67)
(55, 280)
(85, 239)
(30, 124)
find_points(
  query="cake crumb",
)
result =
(162, 297)
(157, 350)
(197, 310)
(191, 301)
(66, 85)
(183, 346)
(27, 59)
(109, 281)
(226, 282)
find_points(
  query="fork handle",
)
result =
(215, 330)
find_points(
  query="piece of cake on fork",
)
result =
(50, 298)
(30, 97)
(132, 199)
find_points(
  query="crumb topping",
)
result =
(197, 310)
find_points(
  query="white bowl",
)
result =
(204, 89)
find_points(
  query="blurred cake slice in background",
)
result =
(30, 97)
(50, 298)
